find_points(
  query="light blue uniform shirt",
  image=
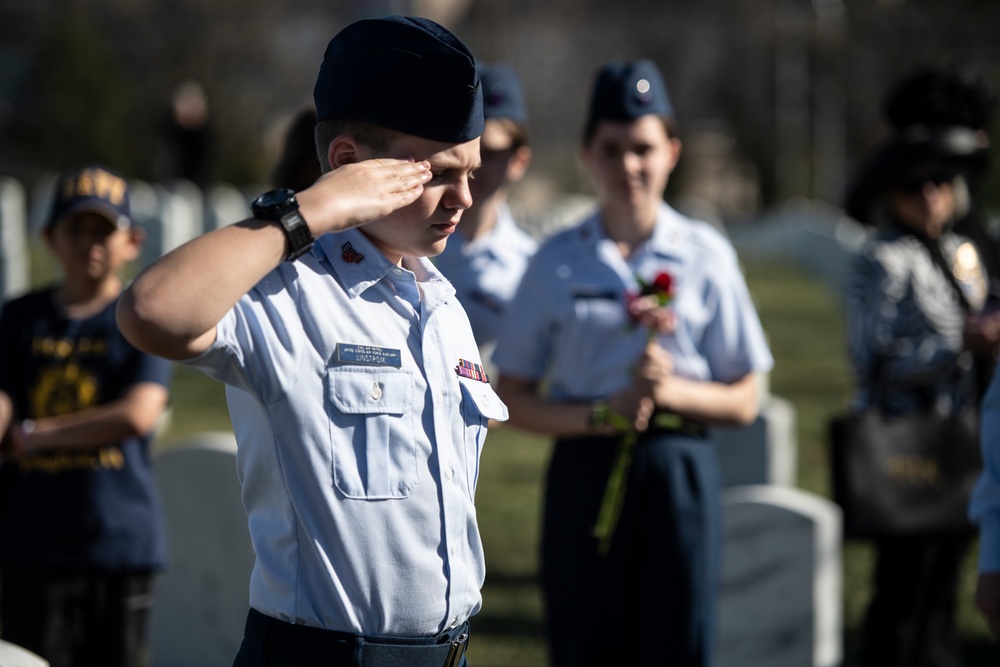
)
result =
(486, 272)
(358, 441)
(984, 509)
(568, 322)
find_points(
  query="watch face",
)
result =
(274, 198)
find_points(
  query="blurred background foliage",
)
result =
(777, 99)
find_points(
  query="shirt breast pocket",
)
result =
(595, 320)
(371, 432)
(479, 405)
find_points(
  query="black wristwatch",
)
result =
(282, 206)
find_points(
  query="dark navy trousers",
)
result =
(652, 599)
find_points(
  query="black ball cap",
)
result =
(403, 73)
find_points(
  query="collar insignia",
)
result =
(350, 255)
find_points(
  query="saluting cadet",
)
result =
(639, 325)
(487, 255)
(354, 382)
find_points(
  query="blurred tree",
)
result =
(83, 98)
(728, 64)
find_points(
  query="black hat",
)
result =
(407, 74)
(913, 157)
(940, 97)
(502, 93)
(92, 188)
(624, 91)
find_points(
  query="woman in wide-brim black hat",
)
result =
(914, 328)
(900, 162)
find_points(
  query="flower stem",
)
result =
(614, 493)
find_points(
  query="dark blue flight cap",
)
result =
(502, 93)
(626, 91)
(407, 74)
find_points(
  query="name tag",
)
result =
(583, 293)
(369, 354)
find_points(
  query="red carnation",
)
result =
(648, 306)
(662, 285)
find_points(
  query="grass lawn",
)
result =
(803, 322)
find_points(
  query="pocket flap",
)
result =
(371, 390)
(481, 394)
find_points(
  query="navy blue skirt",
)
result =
(651, 598)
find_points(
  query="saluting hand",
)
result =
(360, 192)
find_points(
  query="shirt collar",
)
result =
(360, 264)
(669, 234)
(667, 241)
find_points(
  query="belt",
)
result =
(308, 646)
(668, 422)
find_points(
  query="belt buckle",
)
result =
(457, 650)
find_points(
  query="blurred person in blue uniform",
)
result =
(487, 255)
(618, 369)
(984, 510)
(354, 382)
(915, 325)
(81, 527)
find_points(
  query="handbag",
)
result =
(904, 475)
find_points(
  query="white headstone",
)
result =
(14, 263)
(12, 655)
(780, 596)
(202, 598)
(171, 214)
(765, 452)
(182, 213)
(145, 202)
(40, 204)
(224, 205)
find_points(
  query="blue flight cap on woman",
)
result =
(624, 91)
(502, 93)
(403, 73)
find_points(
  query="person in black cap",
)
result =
(640, 327)
(81, 528)
(915, 324)
(357, 395)
(488, 254)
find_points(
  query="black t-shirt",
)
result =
(95, 508)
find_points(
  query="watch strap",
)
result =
(300, 240)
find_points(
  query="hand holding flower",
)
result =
(648, 312)
(650, 306)
(653, 369)
(633, 406)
